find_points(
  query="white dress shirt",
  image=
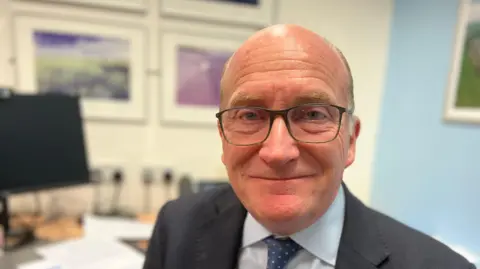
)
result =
(320, 241)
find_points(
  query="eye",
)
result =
(311, 113)
(248, 114)
(314, 115)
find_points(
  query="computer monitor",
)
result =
(41, 145)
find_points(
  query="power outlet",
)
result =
(118, 176)
(156, 174)
(104, 171)
(167, 177)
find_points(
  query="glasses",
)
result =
(307, 123)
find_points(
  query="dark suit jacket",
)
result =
(204, 231)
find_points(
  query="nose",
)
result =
(280, 148)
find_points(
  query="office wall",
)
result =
(426, 170)
(6, 77)
(359, 27)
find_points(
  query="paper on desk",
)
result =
(41, 264)
(89, 253)
(112, 227)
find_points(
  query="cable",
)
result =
(167, 181)
(97, 177)
(117, 181)
(148, 179)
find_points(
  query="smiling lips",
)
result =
(282, 178)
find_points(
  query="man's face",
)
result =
(283, 183)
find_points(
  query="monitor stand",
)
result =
(15, 237)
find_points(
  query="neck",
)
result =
(288, 228)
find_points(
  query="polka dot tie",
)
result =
(280, 252)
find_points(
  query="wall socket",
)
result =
(157, 175)
(105, 172)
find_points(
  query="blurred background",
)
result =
(145, 75)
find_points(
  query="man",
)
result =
(288, 132)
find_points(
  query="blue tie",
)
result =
(280, 251)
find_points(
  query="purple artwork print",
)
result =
(199, 73)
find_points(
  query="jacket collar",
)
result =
(218, 235)
(361, 245)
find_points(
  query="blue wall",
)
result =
(427, 172)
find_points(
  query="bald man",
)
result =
(288, 131)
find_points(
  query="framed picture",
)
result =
(130, 5)
(463, 92)
(6, 73)
(248, 12)
(192, 68)
(103, 64)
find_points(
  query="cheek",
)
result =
(327, 155)
(235, 157)
(235, 160)
(327, 159)
(343, 145)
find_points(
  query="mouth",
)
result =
(302, 177)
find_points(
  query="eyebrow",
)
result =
(313, 97)
(247, 99)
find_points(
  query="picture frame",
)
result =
(128, 5)
(192, 66)
(259, 13)
(6, 74)
(103, 63)
(462, 102)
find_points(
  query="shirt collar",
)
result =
(322, 239)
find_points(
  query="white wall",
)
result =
(359, 27)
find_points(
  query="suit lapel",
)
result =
(361, 245)
(218, 240)
(349, 259)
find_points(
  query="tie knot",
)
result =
(280, 251)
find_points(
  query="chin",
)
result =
(280, 208)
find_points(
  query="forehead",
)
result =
(281, 94)
(273, 75)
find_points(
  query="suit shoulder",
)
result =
(418, 247)
(187, 206)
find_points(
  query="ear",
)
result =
(219, 129)
(353, 141)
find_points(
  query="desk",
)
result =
(12, 259)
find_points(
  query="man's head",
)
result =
(287, 177)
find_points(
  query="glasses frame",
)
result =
(284, 114)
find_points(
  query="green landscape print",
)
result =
(468, 87)
(88, 66)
